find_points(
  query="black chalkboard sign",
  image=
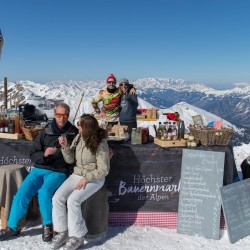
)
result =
(144, 178)
(236, 206)
(200, 199)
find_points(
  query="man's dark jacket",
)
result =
(49, 138)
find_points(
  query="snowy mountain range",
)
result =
(232, 104)
(171, 95)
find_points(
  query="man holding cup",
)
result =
(49, 172)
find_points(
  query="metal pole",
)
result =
(5, 93)
(10, 101)
(1, 43)
(78, 107)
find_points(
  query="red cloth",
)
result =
(153, 219)
(172, 116)
(141, 111)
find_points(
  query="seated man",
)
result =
(49, 172)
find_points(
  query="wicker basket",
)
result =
(31, 133)
(212, 137)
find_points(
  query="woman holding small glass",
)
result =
(90, 151)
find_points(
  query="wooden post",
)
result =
(3, 218)
(5, 93)
(10, 101)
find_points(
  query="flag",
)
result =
(1, 42)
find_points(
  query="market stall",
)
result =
(143, 182)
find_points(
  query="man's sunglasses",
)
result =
(111, 82)
(65, 116)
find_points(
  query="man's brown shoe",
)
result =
(47, 232)
(8, 233)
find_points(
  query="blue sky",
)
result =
(198, 40)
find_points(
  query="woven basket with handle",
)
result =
(31, 133)
(212, 137)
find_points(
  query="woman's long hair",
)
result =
(91, 132)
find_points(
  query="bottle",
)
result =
(17, 124)
(133, 136)
(174, 132)
(5, 123)
(7, 120)
(159, 131)
(145, 135)
(11, 126)
(164, 133)
(1, 123)
(167, 125)
(138, 136)
(170, 130)
(181, 130)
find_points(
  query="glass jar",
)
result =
(11, 126)
(17, 128)
(145, 135)
(138, 136)
(133, 136)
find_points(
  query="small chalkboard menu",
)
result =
(236, 207)
(200, 200)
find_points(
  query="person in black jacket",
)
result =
(49, 172)
(245, 167)
(129, 104)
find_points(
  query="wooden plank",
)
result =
(177, 143)
(145, 119)
(3, 219)
(137, 118)
(11, 136)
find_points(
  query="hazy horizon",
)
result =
(222, 86)
(201, 41)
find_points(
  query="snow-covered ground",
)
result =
(136, 237)
(132, 238)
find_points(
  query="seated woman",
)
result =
(91, 153)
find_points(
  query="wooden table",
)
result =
(144, 183)
(146, 177)
(11, 177)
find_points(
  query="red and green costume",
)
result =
(111, 104)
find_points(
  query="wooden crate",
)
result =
(145, 119)
(168, 144)
(11, 136)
